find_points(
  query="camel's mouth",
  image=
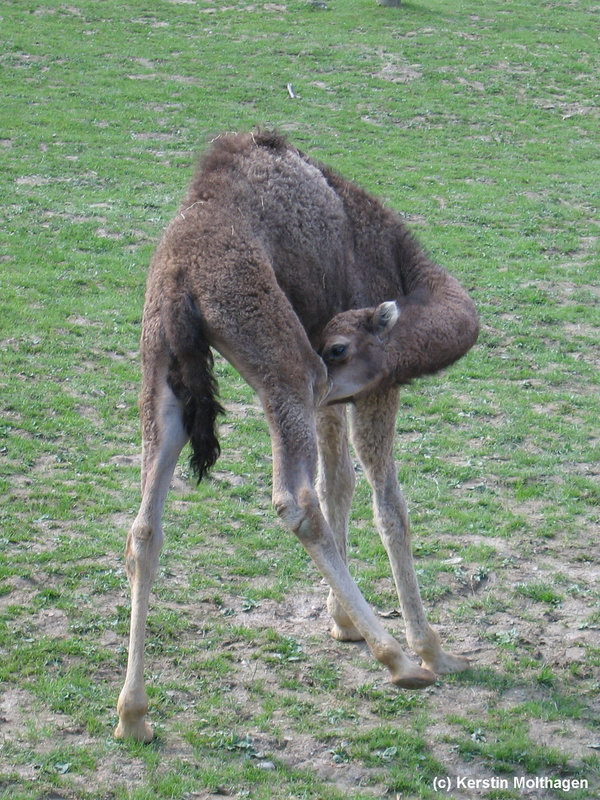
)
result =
(333, 399)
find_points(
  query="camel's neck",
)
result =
(438, 324)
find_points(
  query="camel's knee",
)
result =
(144, 543)
(144, 536)
(141, 532)
(300, 512)
(288, 509)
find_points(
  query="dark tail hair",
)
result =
(193, 383)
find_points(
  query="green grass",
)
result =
(479, 123)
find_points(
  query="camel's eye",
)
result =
(337, 351)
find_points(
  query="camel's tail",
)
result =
(192, 380)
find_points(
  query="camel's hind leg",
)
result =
(373, 428)
(163, 439)
(335, 487)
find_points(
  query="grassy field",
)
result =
(479, 122)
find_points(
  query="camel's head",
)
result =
(354, 350)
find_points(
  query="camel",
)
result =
(325, 304)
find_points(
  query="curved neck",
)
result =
(438, 324)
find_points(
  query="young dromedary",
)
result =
(323, 302)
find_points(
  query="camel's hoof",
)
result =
(345, 633)
(414, 677)
(141, 731)
(447, 663)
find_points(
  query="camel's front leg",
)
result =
(300, 510)
(335, 488)
(293, 436)
(163, 441)
(373, 428)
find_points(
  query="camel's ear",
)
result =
(385, 317)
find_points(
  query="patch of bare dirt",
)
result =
(24, 719)
(397, 71)
(301, 614)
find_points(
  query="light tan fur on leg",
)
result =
(373, 428)
(164, 440)
(335, 488)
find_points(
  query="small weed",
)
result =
(540, 593)
(508, 638)
(546, 676)
(324, 674)
(282, 649)
(504, 742)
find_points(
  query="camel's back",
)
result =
(283, 202)
(255, 199)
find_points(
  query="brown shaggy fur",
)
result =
(329, 247)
